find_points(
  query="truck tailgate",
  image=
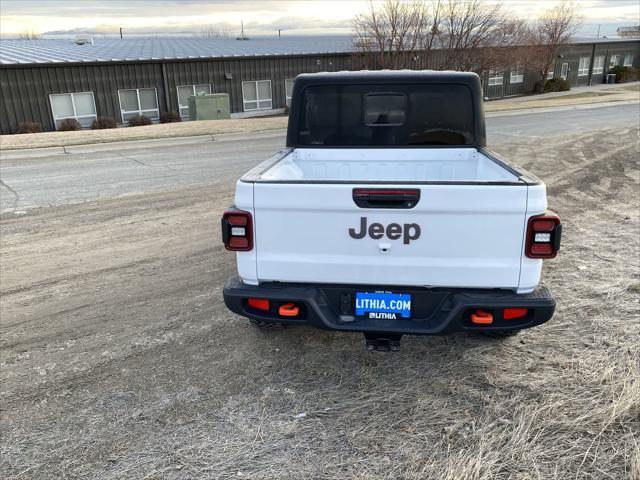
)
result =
(460, 235)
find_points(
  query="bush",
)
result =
(170, 117)
(557, 85)
(69, 125)
(625, 74)
(103, 122)
(139, 121)
(29, 127)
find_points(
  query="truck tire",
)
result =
(262, 325)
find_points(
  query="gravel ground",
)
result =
(119, 359)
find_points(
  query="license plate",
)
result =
(383, 305)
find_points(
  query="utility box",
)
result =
(214, 106)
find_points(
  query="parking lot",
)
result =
(120, 360)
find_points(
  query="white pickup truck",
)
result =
(386, 214)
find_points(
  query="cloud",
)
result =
(260, 17)
(135, 8)
(169, 15)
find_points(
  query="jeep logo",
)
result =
(408, 231)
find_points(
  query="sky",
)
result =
(260, 17)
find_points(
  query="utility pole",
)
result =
(591, 63)
(279, 30)
(121, 33)
(242, 37)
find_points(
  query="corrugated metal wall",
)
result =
(25, 90)
(276, 69)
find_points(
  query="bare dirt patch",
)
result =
(119, 359)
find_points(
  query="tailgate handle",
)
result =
(386, 197)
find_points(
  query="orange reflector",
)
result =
(480, 317)
(259, 303)
(288, 310)
(511, 313)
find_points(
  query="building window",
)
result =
(583, 66)
(80, 106)
(288, 90)
(257, 95)
(495, 78)
(186, 91)
(628, 60)
(517, 74)
(598, 65)
(614, 60)
(138, 101)
(564, 71)
(550, 74)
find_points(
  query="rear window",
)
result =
(386, 115)
(385, 109)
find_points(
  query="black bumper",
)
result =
(435, 311)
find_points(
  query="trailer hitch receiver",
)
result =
(382, 342)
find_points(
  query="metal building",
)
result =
(47, 81)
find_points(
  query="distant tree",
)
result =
(214, 33)
(472, 34)
(28, 35)
(553, 30)
(478, 36)
(394, 33)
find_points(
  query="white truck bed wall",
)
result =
(440, 164)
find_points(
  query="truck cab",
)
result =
(387, 214)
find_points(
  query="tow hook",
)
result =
(377, 342)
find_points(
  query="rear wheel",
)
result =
(262, 325)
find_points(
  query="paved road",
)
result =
(61, 179)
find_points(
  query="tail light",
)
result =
(514, 313)
(259, 303)
(543, 236)
(237, 230)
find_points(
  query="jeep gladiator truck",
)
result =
(386, 214)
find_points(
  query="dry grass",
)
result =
(635, 87)
(217, 127)
(127, 365)
(165, 130)
(586, 98)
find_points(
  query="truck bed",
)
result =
(471, 213)
(384, 165)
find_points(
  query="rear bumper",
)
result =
(435, 311)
